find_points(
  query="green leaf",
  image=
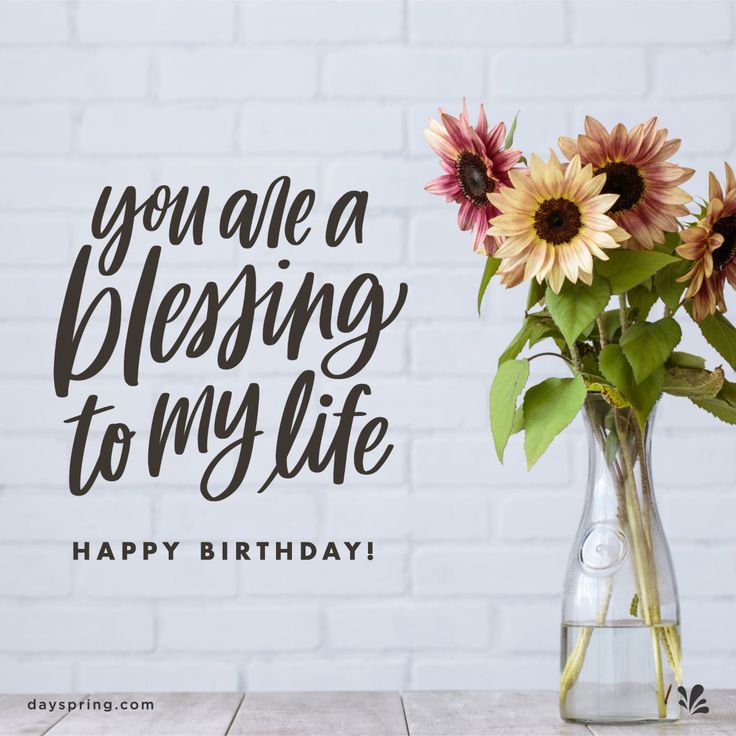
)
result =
(723, 406)
(576, 306)
(626, 269)
(617, 371)
(536, 293)
(518, 341)
(666, 284)
(648, 345)
(685, 360)
(507, 385)
(510, 135)
(610, 394)
(720, 333)
(548, 408)
(634, 607)
(518, 420)
(642, 300)
(611, 323)
(718, 408)
(491, 267)
(694, 383)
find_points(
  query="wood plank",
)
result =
(502, 713)
(173, 714)
(721, 721)
(320, 714)
(16, 719)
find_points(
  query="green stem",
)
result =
(622, 314)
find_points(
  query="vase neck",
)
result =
(619, 451)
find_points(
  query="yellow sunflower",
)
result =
(553, 223)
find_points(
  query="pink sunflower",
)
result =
(636, 166)
(476, 165)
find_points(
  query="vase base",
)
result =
(618, 720)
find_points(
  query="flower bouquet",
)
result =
(615, 253)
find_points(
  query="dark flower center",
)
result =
(557, 220)
(723, 255)
(625, 180)
(474, 181)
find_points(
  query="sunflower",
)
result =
(553, 223)
(711, 244)
(636, 168)
(475, 165)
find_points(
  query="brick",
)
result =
(324, 128)
(21, 289)
(16, 461)
(673, 464)
(33, 572)
(98, 516)
(425, 517)
(161, 130)
(474, 22)
(655, 22)
(569, 73)
(224, 177)
(36, 23)
(38, 676)
(157, 676)
(707, 627)
(538, 126)
(234, 74)
(533, 516)
(184, 577)
(402, 73)
(75, 629)
(391, 182)
(417, 626)
(704, 128)
(72, 74)
(703, 571)
(29, 350)
(457, 460)
(34, 241)
(486, 672)
(480, 570)
(442, 348)
(381, 576)
(699, 516)
(155, 23)
(435, 239)
(312, 22)
(365, 673)
(692, 73)
(36, 129)
(433, 403)
(444, 294)
(66, 184)
(530, 628)
(220, 629)
(269, 516)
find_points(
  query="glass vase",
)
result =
(620, 642)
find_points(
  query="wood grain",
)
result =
(16, 719)
(721, 721)
(461, 713)
(468, 713)
(320, 714)
(174, 714)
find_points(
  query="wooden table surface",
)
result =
(458, 713)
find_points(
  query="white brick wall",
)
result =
(463, 590)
